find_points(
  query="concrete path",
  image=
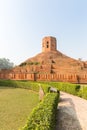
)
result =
(72, 113)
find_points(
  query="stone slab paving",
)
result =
(72, 113)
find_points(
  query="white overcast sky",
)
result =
(23, 24)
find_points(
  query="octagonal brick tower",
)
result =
(49, 44)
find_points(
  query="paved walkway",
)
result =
(72, 113)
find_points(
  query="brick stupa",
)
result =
(50, 65)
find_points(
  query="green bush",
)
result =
(8, 83)
(83, 92)
(43, 117)
(66, 87)
(31, 85)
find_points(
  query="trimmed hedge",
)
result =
(43, 117)
(66, 87)
(83, 92)
(25, 84)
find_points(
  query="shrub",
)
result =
(23, 64)
(8, 83)
(25, 84)
(83, 92)
(43, 117)
(66, 87)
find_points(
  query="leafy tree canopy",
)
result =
(5, 63)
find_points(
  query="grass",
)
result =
(15, 106)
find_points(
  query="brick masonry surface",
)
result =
(49, 65)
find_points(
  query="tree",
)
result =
(5, 63)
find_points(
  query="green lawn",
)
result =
(15, 106)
